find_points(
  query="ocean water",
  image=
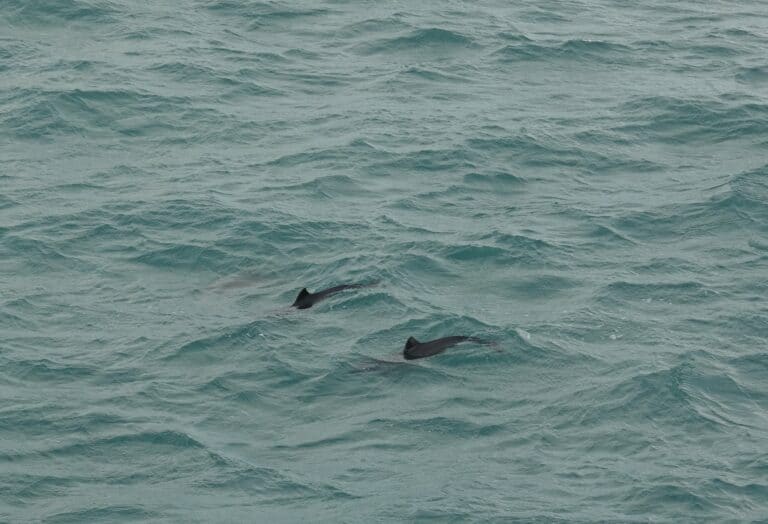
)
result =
(584, 182)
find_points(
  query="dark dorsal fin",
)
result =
(303, 293)
(410, 342)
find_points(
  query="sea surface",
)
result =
(582, 182)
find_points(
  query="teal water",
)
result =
(583, 182)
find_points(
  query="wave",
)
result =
(434, 75)
(43, 255)
(5, 203)
(668, 292)
(495, 182)
(103, 512)
(749, 190)
(222, 472)
(176, 214)
(45, 114)
(751, 370)
(149, 33)
(437, 160)
(366, 28)
(222, 339)
(639, 397)
(239, 7)
(607, 237)
(678, 501)
(537, 247)
(433, 40)
(192, 257)
(284, 16)
(242, 82)
(268, 483)
(692, 120)
(436, 428)
(572, 50)
(753, 75)
(38, 119)
(724, 213)
(336, 157)
(261, 13)
(24, 12)
(48, 371)
(14, 52)
(526, 150)
(380, 302)
(541, 14)
(414, 265)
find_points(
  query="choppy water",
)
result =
(585, 182)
